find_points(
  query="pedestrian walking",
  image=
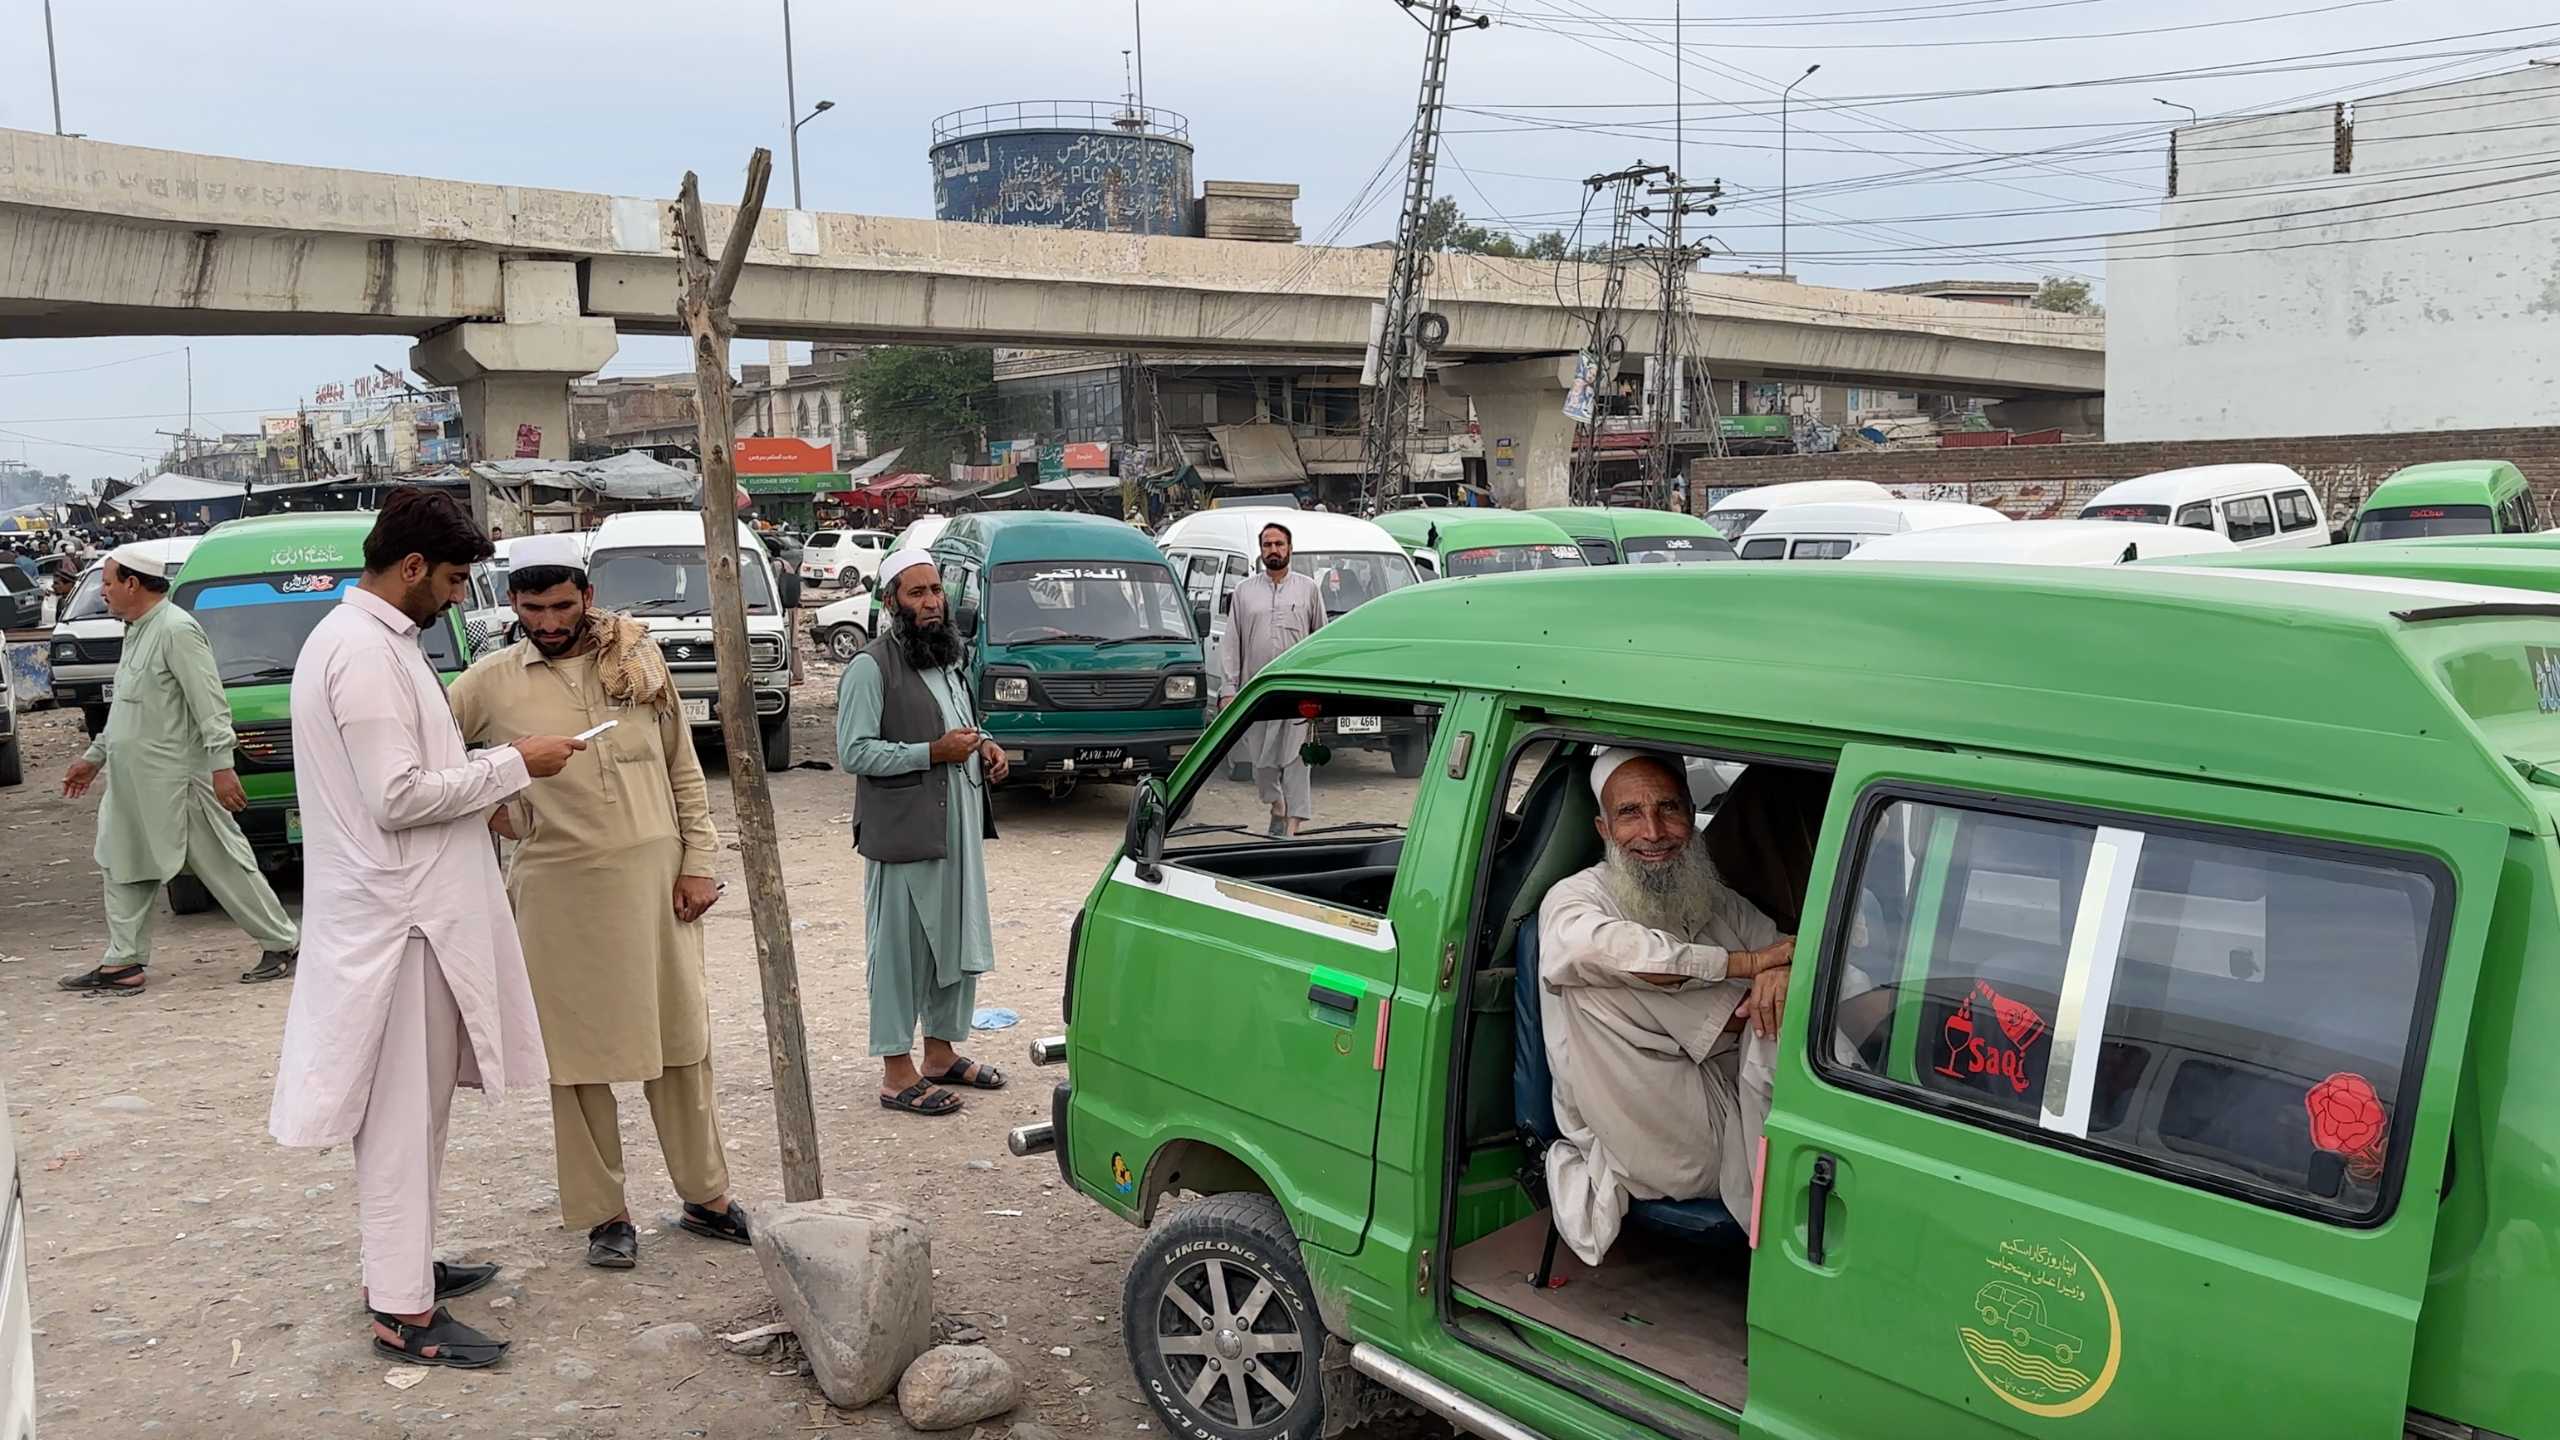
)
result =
(415, 982)
(166, 756)
(615, 863)
(905, 732)
(1266, 615)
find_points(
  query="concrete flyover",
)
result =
(515, 290)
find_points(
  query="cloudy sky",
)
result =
(1908, 153)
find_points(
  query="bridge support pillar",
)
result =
(1519, 406)
(514, 377)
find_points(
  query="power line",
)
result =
(85, 369)
(2079, 38)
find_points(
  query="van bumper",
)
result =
(265, 826)
(1109, 755)
(771, 689)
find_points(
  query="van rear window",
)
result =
(2411, 522)
(2138, 514)
(2253, 1008)
(1675, 549)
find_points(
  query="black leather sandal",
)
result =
(457, 1346)
(922, 1098)
(122, 980)
(976, 1074)
(613, 1245)
(729, 1224)
(455, 1281)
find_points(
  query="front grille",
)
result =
(763, 653)
(265, 749)
(1115, 691)
(97, 650)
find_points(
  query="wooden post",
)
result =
(704, 308)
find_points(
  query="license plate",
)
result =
(1097, 753)
(293, 827)
(107, 692)
(1357, 725)
(698, 712)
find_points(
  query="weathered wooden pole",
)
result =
(704, 308)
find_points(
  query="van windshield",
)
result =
(1733, 522)
(2409, 522)
(1675, 549)
(89, 599)
(257, 623)
(1353, 579)
(1510, 559)
(1030, 602)
(670, 580)
(2138, 514)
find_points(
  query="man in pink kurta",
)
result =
(411, 978)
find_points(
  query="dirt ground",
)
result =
(192, 1278)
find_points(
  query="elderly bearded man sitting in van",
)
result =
(1662, 990)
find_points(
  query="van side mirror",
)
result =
(1201, 619)
(1145, 838)
(965, 620)
(789, 581)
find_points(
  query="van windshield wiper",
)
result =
(1207, 829)
(1350, 825)
(1134, 639)
(1053, 640)
(263, 672)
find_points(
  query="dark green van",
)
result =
(1629, 535)
(2448, 497)
(1082, 656)
(259, 587)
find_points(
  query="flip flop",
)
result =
(917, 1099)
(457, 1346)
(980, 1075)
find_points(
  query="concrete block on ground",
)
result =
(854, 1280)
(956, 1385)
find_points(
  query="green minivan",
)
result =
(1629, 535)
(1082, 656)
(259, 587)
(2174, 1054)
(2448, 497)
(1452, 542)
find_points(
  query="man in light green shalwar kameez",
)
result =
(171, 791)
(904, 730)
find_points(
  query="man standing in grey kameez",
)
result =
(921, 766)
(1267, 614)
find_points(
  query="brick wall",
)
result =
(2032, 482)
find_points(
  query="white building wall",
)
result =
(2420, 291)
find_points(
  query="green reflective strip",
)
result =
(1351, 985)
(1913, 988)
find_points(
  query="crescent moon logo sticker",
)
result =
(2031, 1329)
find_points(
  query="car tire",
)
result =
(1187, 1287)
(1408, 752)
(844, 642)
(777, 742)
(13, 770)
(187, 895)
(95, 717)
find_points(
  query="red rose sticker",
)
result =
(2347, 1119)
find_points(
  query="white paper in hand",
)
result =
(590, 734)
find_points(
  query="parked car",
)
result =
(21, 598)
(919, 535)
(841, 557)
(2449, 497)
(1738, 512)
(88, 641)
(1454, 542)
(1833, 530)
(2177, 961)
(259, 587)
(1630, 535)
(13, 769)
(649, 564)
(2255, 506)
(2043, 542)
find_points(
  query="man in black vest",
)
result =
(905, 731)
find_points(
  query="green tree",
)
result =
(929, 401)
(2067, 297)
(1550, 246)
(1445, 227)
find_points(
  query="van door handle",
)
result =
(1333, 999)
(1819, 1194)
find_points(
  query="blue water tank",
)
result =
(1065, 165)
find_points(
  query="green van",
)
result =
(2448, 497)
(1451, 542)
(259, 587)
(2173, 1055)
(1625, 535)
(1082, 655)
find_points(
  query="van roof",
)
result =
(1001, 536)
(1874, 517)
(2127, 666)
(1800, 492)
(2447, 482)
(267, 544)
(633, 529)
(2043, 542)
(1468, 525)
(1241, 528)
(2512, 566)
(1624, 522)
(2197, 482)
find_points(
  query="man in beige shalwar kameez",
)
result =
(610, 878)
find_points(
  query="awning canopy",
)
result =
(1261, 456)
(1079, 485)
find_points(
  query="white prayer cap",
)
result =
(1605, 762)
(535, 550)
(140, 558)
(899, 563)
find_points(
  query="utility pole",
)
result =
(703, 306)
(1675, 344)
(53, 72)
(1599, 363)
(1401, 349)
(790, 105)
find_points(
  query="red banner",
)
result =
(528, 442)
(781, 455)
(1086, 455)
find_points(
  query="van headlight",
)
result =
(1182, 687)
(1013, 690)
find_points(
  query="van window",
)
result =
(670, 580)
(1087, 601)
(89, 598)
(2254, 1007)
(1675, 549)
(1764, 549)
(1510, 559)
(1351, 579)
(2532, 510)
(1598, 552)
(2511, 514)
(824, 539)
(1822, 549)
(2294, 510)
(2198, 516)
(2409, 522)
(256, 623)
(1734, 522)
(2135, 514)
(2248, 518)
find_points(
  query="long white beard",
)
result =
(1676, 897)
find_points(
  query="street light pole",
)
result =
(791, 101)
(2192, 117)
(52, 72)
(1782, 162)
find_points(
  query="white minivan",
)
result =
(2254, 506)
(2041, 542)
(839, 557)
(87, 641)
(1833, 530)
(649, 564)
(1742, 509)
